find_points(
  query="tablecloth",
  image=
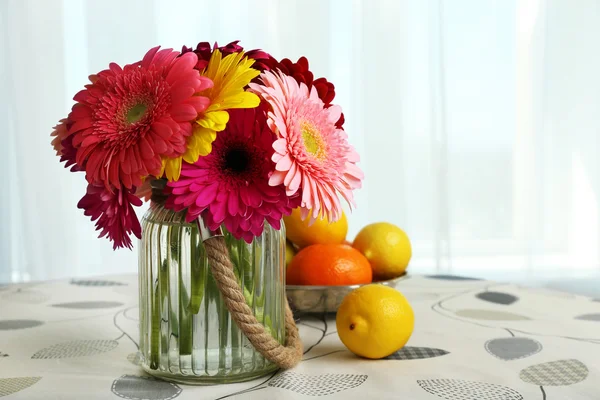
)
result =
(473, 339)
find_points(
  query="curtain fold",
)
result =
(477, 121)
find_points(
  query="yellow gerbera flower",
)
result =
(230, 76)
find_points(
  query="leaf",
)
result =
(468, 390)
(512, 348)
(96, 282)
(9, 386)
(497, 297)
(451, 278)
(589, 317)
(317, 385)
(134, 387)
(555, 373)
(416, 353)
(490, 315)
(76, 348)
(88, 305)
(10, 324)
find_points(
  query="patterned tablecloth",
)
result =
(473, 340)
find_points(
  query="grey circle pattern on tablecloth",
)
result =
(11, 324)
(497, 297)
(555, 373)
(416, 353)
(95, 282)
(589, 317)
(451, 277)
(10, 386)
(133, 387)
(456, 389)
(76, 348)
(3, 354)
(88, 305)
(513, 348)
(316, 385)
(491, 315)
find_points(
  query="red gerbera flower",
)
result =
(113, 212)
(302, 74)
(263, 60)
(130, 118)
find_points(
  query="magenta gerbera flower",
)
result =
(312, 155)
(129, 119)
(113, 212)
(231, 185)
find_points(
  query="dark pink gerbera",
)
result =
(113, 212)
(130, 118)
(231, 185)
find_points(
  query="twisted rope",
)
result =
(285, 356)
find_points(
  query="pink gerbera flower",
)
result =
(231, 185)
(113, 212)
(130, 118)
(312, 155)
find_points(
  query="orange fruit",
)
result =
(329, 264)
(321, 231)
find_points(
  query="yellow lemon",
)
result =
(374, 321)
(386, 247)
(321, 232)
(290, 252)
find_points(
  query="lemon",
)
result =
(386, 247)
(321, 232)
(290, 252)
(374, 321)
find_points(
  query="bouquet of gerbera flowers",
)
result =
(241, 137)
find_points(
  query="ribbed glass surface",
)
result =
(186, 332)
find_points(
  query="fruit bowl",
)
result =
(320, 299)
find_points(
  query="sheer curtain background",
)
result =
(477, 121)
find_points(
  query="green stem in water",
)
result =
(197, 273)
(155, 328)
(186, 327)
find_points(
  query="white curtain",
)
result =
(477, 121)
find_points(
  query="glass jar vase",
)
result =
(186, 332)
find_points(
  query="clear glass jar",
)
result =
(186, 333)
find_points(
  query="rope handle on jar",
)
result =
(284, 356)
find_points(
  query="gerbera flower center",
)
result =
(237, 160)
(135, 113)
(313, 142)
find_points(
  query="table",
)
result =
(473, 339)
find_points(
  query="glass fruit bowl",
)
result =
(320, 299)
